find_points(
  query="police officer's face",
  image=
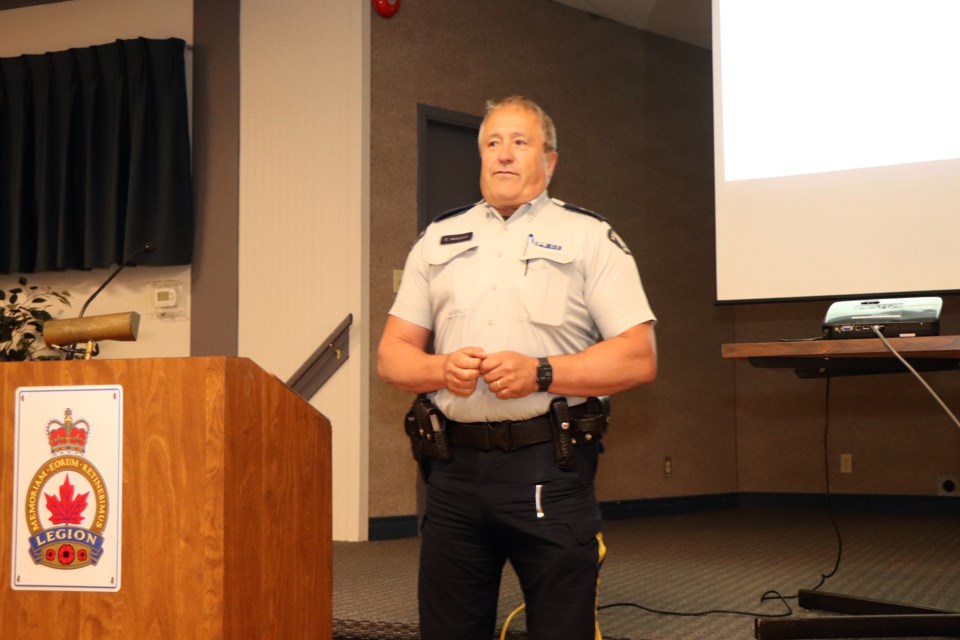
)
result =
(514, 168)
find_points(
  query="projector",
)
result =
(896, 318)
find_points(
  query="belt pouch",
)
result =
(562, 430)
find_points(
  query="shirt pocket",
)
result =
(544, 287)
(450, 267)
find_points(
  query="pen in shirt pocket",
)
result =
(526, 250)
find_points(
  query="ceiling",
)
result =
(684, 20)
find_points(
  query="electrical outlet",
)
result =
(846, 463)
(948, 484)
(667, 466)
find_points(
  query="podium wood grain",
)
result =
(226, 507)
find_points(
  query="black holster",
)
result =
(568, 431)
(426, 428)
(592, 424)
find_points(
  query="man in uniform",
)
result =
(535, 309)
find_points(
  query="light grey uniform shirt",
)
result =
(549, 280)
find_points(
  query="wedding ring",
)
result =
(499, 384)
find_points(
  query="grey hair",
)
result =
(546, 122)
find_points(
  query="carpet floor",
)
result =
(692, 576)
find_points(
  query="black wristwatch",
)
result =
(544, 374)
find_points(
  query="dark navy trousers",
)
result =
(485, 508)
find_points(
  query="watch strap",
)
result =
(544, 374)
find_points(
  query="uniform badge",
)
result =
(617, 240)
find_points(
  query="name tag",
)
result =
(457, 237)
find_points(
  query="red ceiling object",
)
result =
(386, 8)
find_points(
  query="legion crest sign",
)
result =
(67, 488)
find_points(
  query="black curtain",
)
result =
(95, 157)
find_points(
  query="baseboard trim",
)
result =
(393, 527)
(948, 505)
(624, 509)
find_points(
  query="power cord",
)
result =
(890, 347)
(833, 522)
(771, 594)
(708, 612)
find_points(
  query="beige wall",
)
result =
(82, 23)
(303, 212)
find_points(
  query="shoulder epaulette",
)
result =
(454, 212)
(576, 209)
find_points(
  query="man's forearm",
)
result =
(409, 368)
(607, 367)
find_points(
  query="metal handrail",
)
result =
(324, 362)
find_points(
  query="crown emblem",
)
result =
(68, 436)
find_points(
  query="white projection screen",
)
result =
(837, 142)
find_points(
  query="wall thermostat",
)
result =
(164, 297)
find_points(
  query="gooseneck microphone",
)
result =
(146, 248)
(65, 334)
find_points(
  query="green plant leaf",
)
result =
(22, 319)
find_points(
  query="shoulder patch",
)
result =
(576, 209)
(454, 212)
(617, 240)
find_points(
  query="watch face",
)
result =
(544, 375)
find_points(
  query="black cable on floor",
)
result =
(772, 594)
(708, 612)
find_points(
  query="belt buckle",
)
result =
(500, 435)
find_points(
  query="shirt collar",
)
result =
(528, 209)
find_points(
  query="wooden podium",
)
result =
(226, 521)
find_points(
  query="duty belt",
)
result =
(507, 435)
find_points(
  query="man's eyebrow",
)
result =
(510, 134)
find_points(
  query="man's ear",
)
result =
(551, 164)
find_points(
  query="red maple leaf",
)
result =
(66, 509)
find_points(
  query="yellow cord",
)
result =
(506, 624)
(601, 553)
